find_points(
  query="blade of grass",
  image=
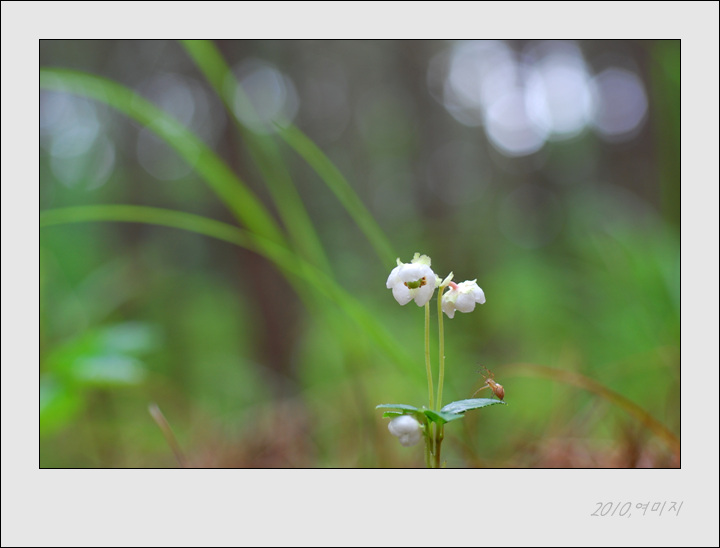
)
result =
(288, 263)
(167, 431)
(216, 70)
(231, 190)
(263, 151)
(228, 186)
(337, 183)
(266, 155)
(586, 383)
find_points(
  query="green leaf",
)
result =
(466, 405)
(392, 414)
(134, 338)
(396, 406)
(58, 405)
(442, 417)
(108, 371)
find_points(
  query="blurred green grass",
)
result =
(279, 359)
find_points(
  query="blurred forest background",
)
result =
(548, 170)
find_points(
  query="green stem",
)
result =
(427, 354)
(428, 443)
(439, 435)
(439, 431)
(431, 444)
(441, 344)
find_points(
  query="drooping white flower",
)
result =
(462, 297)
(413, 280)
(407, 429)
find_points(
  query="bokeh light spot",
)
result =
(264, 96)
(622, 104)
(158, 159)
(81, 155)
(559, 96)
(511, 129)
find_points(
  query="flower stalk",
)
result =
(428, 367)
(415, 281)
(441, 345)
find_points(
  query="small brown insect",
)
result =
(497, 389)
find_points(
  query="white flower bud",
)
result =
(407, 429)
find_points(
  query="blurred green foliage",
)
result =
(274, 352)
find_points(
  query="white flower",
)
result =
(462, 297)
(407, 429)
(413, 280)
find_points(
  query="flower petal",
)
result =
(402, 294)
(424, 294)
(408, 440)
(413, 272)
(403, 425)
(394, 278)
(449, 308)
(479, 295)
(465, 302)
